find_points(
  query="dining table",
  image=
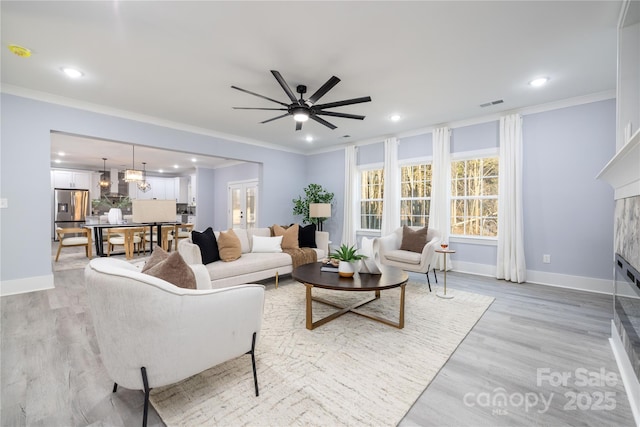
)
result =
(98, 230)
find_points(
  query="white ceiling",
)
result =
(431, 62)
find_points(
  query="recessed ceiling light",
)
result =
(395, 118)
(58, 161)
(193, 159)
(540, 81)
(61, 153)
(72, 72)
(161, 170)
(309, 138)
(176, 166)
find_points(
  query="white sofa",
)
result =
(152, 333)
(250, 267)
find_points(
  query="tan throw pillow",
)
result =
(156, 257)
(174, 270)
(289, 236)
(229, 246)
(413, 240)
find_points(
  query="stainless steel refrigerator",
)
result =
(70, 208)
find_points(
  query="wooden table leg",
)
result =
(309, 310)
(401, 322)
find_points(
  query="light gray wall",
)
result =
(370, 153)
(567, 212)
(475, 137)
(221, 178)
(25, 151)
(415, 146)
(327, 169)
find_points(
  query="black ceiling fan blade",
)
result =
(324, 89)
(285, 86)
(341, 103)
(258, 95)
(343, 115)
(298, 125)
(324, 122)
(275, 118)
(252, 108)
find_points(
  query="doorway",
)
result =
(243, 204)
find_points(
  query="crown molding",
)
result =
(101, 109)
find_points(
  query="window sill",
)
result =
(468, 240)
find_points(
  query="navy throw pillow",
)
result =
(307, 236)
(208, 245)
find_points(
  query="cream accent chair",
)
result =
(152, 333)
(387, 252)
(83, 240)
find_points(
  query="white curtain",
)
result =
(510, 263)
(440, 207)
(350, 195)
(391, 205)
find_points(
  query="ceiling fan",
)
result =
(305, 109)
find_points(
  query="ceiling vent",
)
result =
(488, 104)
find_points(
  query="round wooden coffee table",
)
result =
(311, 276)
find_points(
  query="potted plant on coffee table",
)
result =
(348, 257)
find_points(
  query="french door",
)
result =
(242, 204)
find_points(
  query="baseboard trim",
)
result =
(630, 381)
(580, 283)
(474, 268)
(25, 285)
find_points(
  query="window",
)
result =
(474, 197)
(371, 189)
(415, 196)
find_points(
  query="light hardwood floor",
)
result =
(51, 374)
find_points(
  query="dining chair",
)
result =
(81, 237)
(128, 237)
(167, 238)
(182, 231)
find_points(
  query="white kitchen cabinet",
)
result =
(71, 179)
(169, 185)
(183, 189)
(192, 191)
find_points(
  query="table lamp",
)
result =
(321, 211)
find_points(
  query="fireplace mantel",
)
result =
(623, 170)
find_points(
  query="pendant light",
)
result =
(133, 175)
(104, 182)
(143, 185)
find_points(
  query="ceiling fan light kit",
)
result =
(305, 109)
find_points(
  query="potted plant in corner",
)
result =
(313, 193)
(347, 256)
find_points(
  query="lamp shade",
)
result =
(319, 210)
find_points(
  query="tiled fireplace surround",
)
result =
(626, 319)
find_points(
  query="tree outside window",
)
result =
(371, 195)
(415, 196)
(474, 197)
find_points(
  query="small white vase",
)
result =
(115, 216)
(346, 268)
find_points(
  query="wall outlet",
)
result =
(546, 259)
(4, 203)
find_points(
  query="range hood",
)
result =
(623, 170)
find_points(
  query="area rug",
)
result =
(350, 371)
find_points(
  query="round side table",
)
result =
(444, 253)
